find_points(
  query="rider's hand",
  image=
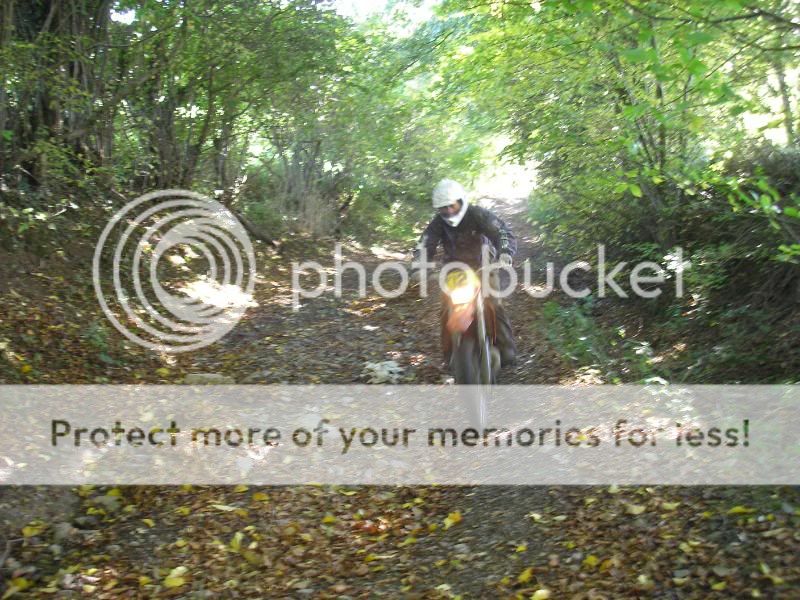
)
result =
(505, 260)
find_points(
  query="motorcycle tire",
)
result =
(466, 369)
(464, 362)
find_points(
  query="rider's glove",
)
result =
(505, 260)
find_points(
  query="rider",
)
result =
(463, 229)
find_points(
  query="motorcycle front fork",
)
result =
(488, 363)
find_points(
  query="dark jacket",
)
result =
(463, 243)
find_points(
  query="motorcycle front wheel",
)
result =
(466, 365)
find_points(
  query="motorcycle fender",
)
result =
(460, 318)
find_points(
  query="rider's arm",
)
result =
(496, 230)
(429, 240)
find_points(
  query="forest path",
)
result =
(329, 339)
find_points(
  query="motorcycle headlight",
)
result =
(462, 286)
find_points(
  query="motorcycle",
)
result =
(474, 358)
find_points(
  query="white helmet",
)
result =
(449, 192)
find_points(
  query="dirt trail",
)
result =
(329, 339)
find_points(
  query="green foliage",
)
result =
(575, 335)
(370, 139)
(605, 352)
(376, 224)
(96, 336)
(625, 107)
(315, 111)
(640, 117)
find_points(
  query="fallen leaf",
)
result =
(591, 561)
(236, 541)
(175, 578)
(719, 586)
(17, 584)
(635, 509)
(174, 582)
(645, 582)
(34, 528)
(535, 516)
(741, 510)
(454, 518)
(525, 576)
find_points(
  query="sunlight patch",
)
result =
(213, 293)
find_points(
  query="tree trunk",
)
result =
(783, 89)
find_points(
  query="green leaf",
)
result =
(697, 38)
(106, 358)
(696, 67)
(639, 55)
(634, 112)
(635, 190)
(174, 582)
(664, 73)
(737, 109)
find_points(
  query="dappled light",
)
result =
(212, 293)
